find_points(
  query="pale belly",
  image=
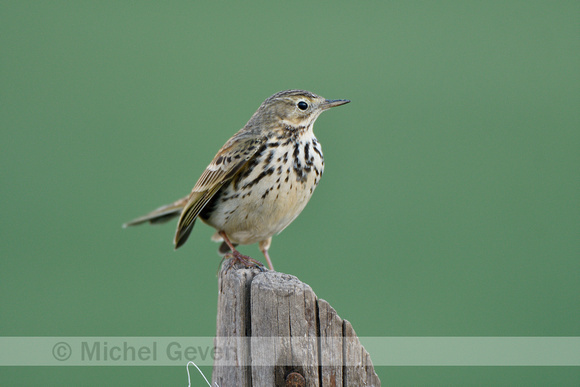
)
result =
(262, 206)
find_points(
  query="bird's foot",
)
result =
(248, 262)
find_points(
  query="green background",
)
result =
(449, 204)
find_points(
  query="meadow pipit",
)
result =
(259, 181)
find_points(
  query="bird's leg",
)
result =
(264, 246)
(239, 257)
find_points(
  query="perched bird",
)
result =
(259, 181)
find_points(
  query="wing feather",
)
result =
(226, 163)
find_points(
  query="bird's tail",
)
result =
(160, 215)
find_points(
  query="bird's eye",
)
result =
(302, 105)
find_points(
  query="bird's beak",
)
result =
(329, 103)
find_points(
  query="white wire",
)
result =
(189, 379)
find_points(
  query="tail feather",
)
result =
(160, 215)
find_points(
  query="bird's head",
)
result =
(294, 108)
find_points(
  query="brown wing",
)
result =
(228, 161)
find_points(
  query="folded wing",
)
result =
(223, 168)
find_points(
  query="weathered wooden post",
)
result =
(272, 330)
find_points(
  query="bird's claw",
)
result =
(248, 262)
